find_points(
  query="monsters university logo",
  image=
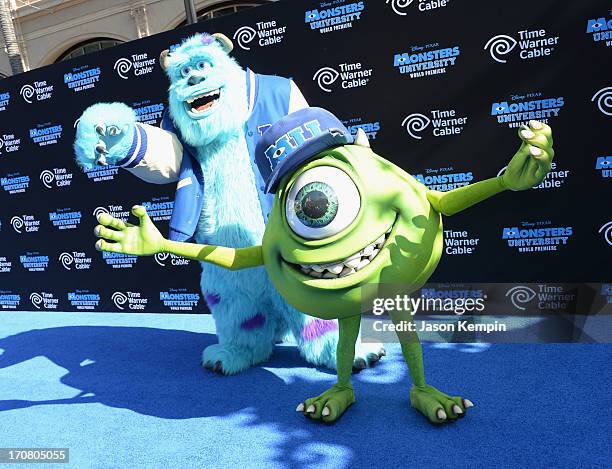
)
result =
(38, 91)
(537, 237)
(520, 109)
(136, 65)
(403, 7)
(601, 30)
(348, 75)
(4, 100)
(443, 123)
(532, 44)
(265, 33)
(289, 141)
(604, 164)
(342, 16)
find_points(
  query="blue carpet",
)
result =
(126, 390)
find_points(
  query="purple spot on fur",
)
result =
(318, 327)
(207, 39)
(212, 299)
(256, 321)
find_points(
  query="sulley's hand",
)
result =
(104, 134)
(532, 161)
(142, 240)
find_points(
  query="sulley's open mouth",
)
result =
(203, 102)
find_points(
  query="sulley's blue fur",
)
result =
(250, 315)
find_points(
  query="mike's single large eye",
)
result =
(322, 202)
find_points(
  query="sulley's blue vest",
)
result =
(268, 97)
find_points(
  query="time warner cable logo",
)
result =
(532, 45)
(131, 300)
(603, 99)
(521, 295)
(352, 75)
(267, 31)
(444, 123)
(606, 232)
(136, 65)
(38, 91)
(399, 6)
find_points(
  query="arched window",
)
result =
(225, 8)
(86, 47)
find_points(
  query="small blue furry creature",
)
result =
(217, 112)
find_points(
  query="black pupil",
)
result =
(315, 204)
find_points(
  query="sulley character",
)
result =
(217, 112)
(341, 207)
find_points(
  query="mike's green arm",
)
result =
(527, 168)
(229, 258)
(449, 203)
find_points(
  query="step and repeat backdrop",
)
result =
(439, 86)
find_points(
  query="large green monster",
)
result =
(344, 218)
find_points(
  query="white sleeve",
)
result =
(155, 155)
(296, 99)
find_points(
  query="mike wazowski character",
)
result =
(344, 217)
(217, 112)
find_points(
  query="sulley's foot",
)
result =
(229, 359)
(437, 406)
(330, 405)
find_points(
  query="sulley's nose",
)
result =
(196, 79)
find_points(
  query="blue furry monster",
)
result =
(217, 112)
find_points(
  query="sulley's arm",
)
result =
(109, 134)
(145, 240)
(528, 167)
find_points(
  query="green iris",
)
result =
(316, 204)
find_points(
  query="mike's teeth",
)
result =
(317, 268)
(362, 264)
(314, 273)
(336, 268)
(380, 240)
(346, 271)
(367, 250)
(373, 255)
(353, 263)
(329, 275)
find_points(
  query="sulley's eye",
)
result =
(322, 202)
(203, 65)
(186, 70)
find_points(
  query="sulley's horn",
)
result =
(163, 59)
(225, 42)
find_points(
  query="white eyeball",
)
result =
(322, 202)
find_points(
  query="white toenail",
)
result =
(457, 409)
(310, 409)
(300, 407)
(441, 414)
(325, 412)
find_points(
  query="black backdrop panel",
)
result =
(440, 86)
